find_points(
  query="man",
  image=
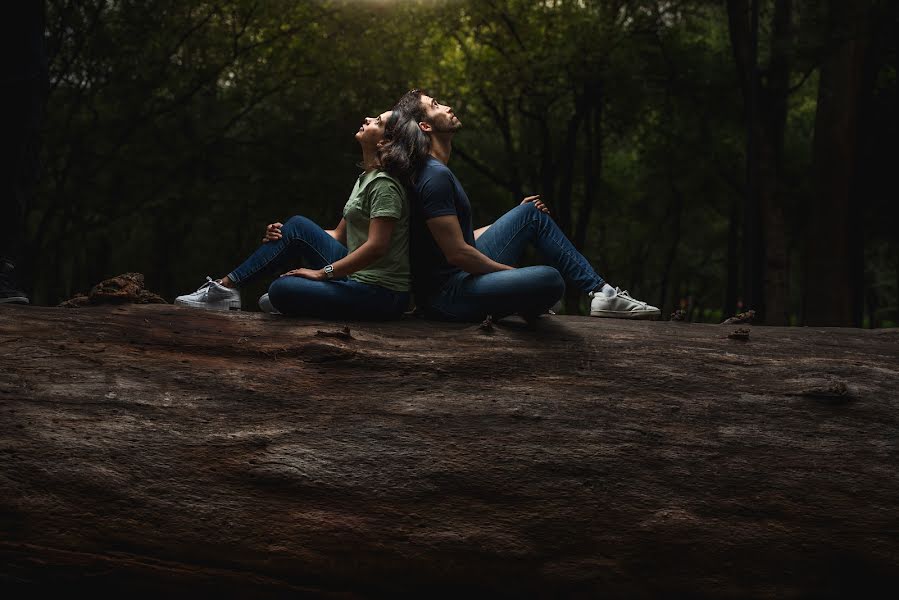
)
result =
(463, 275)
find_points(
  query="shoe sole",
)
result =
(15, 300)
(223, 305)
(629, 314)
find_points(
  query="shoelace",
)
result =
(626, 296)
(205, 286)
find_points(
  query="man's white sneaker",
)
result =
(621, 306)
(265, 305)
(211, 296)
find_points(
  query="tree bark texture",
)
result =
(179, 451)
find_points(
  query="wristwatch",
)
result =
(329, 271)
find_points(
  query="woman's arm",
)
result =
(339, 232)
(380, 229)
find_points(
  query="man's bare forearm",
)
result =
(470, 260)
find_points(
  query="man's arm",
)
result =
(448, 235)
(535, 199)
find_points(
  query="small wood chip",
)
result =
(487, 325)
(743, 317)
(679, 315)
(342, 334)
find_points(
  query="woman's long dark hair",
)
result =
(405, 147)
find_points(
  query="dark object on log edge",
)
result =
(122, 289)
(176, 451)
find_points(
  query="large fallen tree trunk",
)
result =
(241, 453)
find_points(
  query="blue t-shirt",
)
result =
(437, 194)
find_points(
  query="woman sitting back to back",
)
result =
(358, 270)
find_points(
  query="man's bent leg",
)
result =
(528, 291)
(301, 240)
(525, 225)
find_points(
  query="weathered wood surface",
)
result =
(245, 454)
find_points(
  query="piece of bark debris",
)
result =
(487, 325)
(832, 392)
(342, 333)
(739, 334)
(679, 315)
(121, 289)
(743, 317)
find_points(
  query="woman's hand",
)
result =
(272, 233)
(537, 202)
(315, 275)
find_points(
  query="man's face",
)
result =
(440, 116)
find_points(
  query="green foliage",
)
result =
(176, 130)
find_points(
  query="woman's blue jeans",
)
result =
(528, 291)
(304, 242)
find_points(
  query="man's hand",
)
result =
(537, 202)
(272, 233)
(315, 275)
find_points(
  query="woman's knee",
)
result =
(296, 224)
(284, 292)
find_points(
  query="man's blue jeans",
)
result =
(303, 242)
(528, 291)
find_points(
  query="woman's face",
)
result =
(372, 130)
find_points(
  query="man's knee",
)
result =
(549, 281)
(527, 208)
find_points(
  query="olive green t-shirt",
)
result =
(377, 194)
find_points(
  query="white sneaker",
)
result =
(621, 306)
(211, 296)
(266, 305)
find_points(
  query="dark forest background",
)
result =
(708, 156)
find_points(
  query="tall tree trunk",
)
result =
(562, 201)
(828, 275)
(764, 234)
(743, 17)
(23, 85)
(773, 106)
(733, 258)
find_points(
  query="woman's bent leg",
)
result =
(525, 225)
(301, 240)
(528, 291)
(344, 299)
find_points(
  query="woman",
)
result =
(359, 270)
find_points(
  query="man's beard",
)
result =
(446, 124)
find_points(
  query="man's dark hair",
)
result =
(406, 147)
(410, 104)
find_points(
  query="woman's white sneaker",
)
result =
(620, 305)
(211, 296)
